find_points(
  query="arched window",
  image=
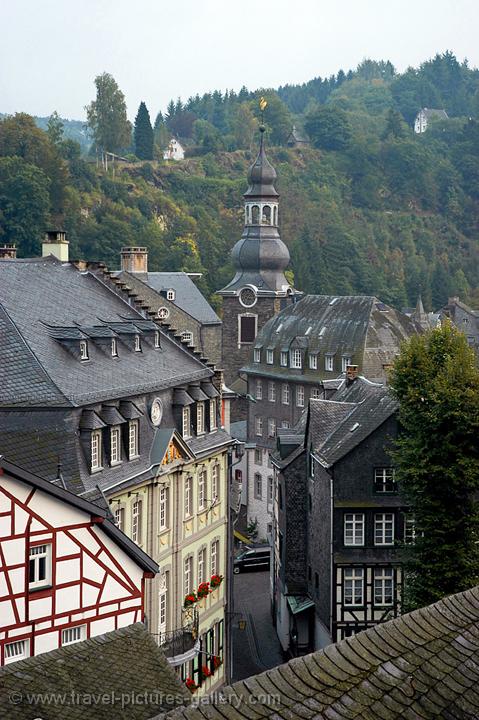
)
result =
(255, 215)
(266, 217)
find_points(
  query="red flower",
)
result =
(216, 580)
(206, 671)
(217, 661)
(191, 685)
(203, 589)
(190, 599)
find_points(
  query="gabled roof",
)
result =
(40, 294)
(420, 666)
(122, 540)
(434, 112)
(121, 674)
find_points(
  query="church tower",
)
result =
(259, 288)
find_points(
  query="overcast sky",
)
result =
(51, 50)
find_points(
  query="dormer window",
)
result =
(284, 359)
(96, 451)
(133, 439)
(137, 343)
(269, 357)
(170, 294)
(187, 337)
(186, 420)
(115, 446)
(83, 350)
(345, 361)
(157, 338)
(295, 359)
(200, 418)
(313, 362)
(329, 363)
(114, 348)
(257, 355)
(213, 424)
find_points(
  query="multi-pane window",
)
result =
(345, 361)
(300, 395)
(202, 565)
(137, 343)
(215, 483)
(285, 394)
(329, 363)
(215, 557)
(83, 350)
(270, 489)
(296, 359)
(115, 445)
(163, 508)
(136, 522)
(271, 427)
(315, 393)
(73, 634)
(384, 481)
(202, 490)
(96, 450)
(354, 529)
(257, 355)
(16, 650)
(170, 294)
(272, 391)
(383, 586)
(120, 518)
(157, 338)
(258, 425)
(258, 486)
(162, 604)
(409, 529)
(313, 362)
(188, 497)
(259, 390)
(188, 575)
(384, 529)
(258, 456)
(285, 424)
(213, 423)
(353, 586)
(269, 357)
(186, 422)
(133, 439)
(187, 337)
(283, 358)
(114, 348)
(200, 418)
(39, 571)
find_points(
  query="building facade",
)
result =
(424, 117)
(67, 572)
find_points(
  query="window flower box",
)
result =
(203, 590)
(191, 685)
(216, 581)
(190, 600)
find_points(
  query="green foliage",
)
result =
(143, 134)
(436, 381)
(55, 128)
(328, 128)
(107, 115)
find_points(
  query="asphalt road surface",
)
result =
(256, 648)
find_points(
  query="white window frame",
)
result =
(345, 361)
(120, 517)
(114, 347)
(170, 294)
(329, 363)
(313, 361)
(163, 519)
(295, 359)
(315, 393)
(383, 579)
(353, 587)
(215, 556)
(17, 650)
(269, 357)
(382, 477)
(354, 529)
(257, 355)
(163, 313)
(84, 350)
(258, 425)
(271, 391)
(285, 394)
(115, 445)
(383, 527)
(35, 555)
(186, 422)
(271, 427)
(202, 565)
(259, 389)
(200, 417)
(213, 421)
(258, 478)
(187, 337)
(72, 635)
(157, 338)
(136, 521)
(96, 450)
(162, 608)
(215, 483)
(202, 490)
(133, 447)
(188, 578)
(137, 343)
(283, 358)
(299, 395)
(188, 498)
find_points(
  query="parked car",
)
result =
(255, 558)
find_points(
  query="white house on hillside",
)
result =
(425, 115)
(174, 151)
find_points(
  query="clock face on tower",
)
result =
(156, 411)
(247, 297)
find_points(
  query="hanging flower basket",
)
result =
(206, 671)
(190, 599)
(191, 685)
(216, 581)
(203, 590)
(217, 662)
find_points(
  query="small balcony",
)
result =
(181, 644)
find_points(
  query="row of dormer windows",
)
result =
(117, 445)
(84, 349)
(205, 416)
(295, 359)
(285, 392)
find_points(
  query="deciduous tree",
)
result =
(107, 115)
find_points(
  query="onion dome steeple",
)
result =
(261, 175)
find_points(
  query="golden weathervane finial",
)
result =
(263, 104)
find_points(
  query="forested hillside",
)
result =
(367, 207)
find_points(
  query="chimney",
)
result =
(55, 243)
(8, 252)
(351, 373)
(134, 259)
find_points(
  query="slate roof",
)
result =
(187, 295)
(38, 295)
(125, 663)
(206, 443)
(434, 113)
(420, 666)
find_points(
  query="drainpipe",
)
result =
(331, 552)
(229, 615)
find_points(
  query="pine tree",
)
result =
(436, 380)
(143, 134)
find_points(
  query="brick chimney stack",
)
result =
(352, 372)
(56, 243)
(8, 252)
(134, 259)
